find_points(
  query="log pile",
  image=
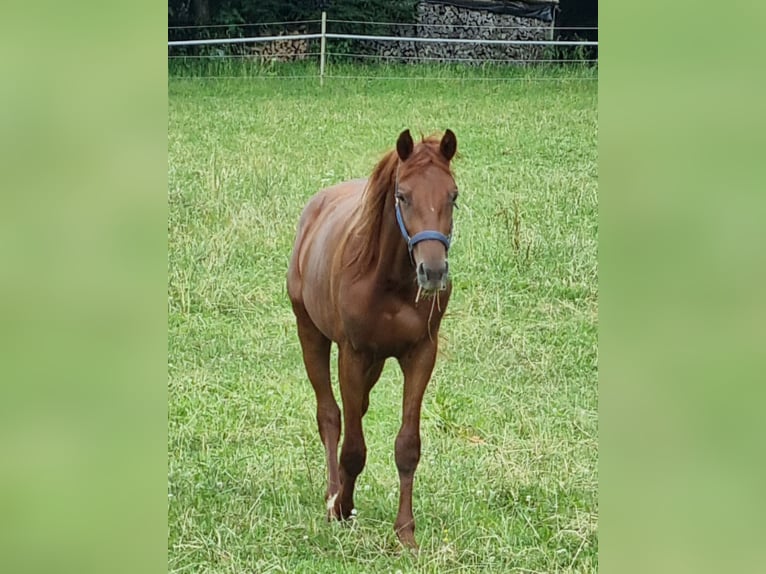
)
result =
(446, 21)
(286, 50)
(434, 20)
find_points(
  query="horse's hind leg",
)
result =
(316, 358)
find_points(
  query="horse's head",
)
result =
(425, 196)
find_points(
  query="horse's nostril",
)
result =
(432, 274)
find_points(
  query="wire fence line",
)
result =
(237, 56)
(465, 79)
(438, 59)
(294, 46)
(442, 59)
(253, 39)
(379, 23)
(387, 78)
(464, 40)
(340, 56)
(238, 25)
(487, 26)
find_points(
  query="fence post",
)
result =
(322, 48)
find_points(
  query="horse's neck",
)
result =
(393, 263)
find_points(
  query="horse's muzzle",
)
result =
(433, 278)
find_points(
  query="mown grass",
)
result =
(508, 477)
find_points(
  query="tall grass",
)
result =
(343, 67)
(508, 476)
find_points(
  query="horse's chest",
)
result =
(389, 328)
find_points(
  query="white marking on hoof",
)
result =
(331, 501)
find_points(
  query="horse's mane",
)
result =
(369, 216)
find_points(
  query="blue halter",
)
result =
(423, 235)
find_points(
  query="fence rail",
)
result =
(324, 35)
(249, 40)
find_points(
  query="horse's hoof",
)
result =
(336, 512)
(407, 539)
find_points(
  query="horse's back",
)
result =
(321, 230)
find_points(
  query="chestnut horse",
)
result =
(369, 272)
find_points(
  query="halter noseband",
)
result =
(423, 235)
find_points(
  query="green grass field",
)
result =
(508, 476)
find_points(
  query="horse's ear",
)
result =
(404, 145)
(448, 145)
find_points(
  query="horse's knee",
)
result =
(407, 451)
(328, 420)
(353, 458)
(328, 415)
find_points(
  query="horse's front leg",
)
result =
(417, 366)
(316, 358)
(358, 373)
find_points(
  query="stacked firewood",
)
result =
(434, 20)
(286, 50)
(446, 21)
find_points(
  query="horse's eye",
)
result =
(400, 197)
(454, 200)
